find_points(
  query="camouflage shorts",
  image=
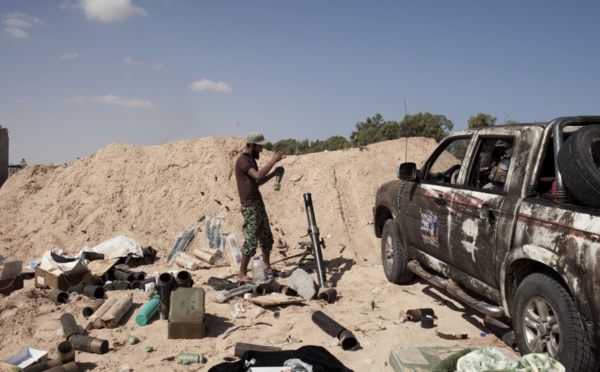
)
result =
(256, 229)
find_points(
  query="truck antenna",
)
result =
(406, 144)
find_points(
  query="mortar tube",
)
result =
(147, 312)
(69, 325)
(121, 285)
(89, 344)
(65, 352)
(140, 284)
(109, 286)
(93, 291)
(327, 294)
(92, 256)
(164, 288)
(91, 308)
(334, 329)
(59, 297)
(76, 288)
(138, 275)
(96, 280)
(184, 279)
(314, 236)
(123, 275)
(69, 367)
(44, 366)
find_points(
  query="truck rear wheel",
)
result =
(393, 255)
(546, 321)
(578, 161)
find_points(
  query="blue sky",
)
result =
(78, 75)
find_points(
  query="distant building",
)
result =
(3, 155)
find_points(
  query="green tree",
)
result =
(367, 132)
(481, 121)
(511, 122)
(425, 125)
(390, 130)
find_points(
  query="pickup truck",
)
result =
(507, 220)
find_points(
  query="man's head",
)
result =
(255, 142)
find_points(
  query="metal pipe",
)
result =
(164, 288)
(327, 294)
(69, 325)
(140, 284)
(92, 256)
(121, 285)
(76, 288)
(69, 367)
(184, 279)
(65, 352)
(95, 319)
(44, 366)
(334, 329)
(241, 348)
(93, 291)
(89, 344)
(484, 307)
(314, 235)
(96, 280)
(59, 297)
(124, 275)
(91, 308)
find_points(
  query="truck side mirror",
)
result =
(407, 171)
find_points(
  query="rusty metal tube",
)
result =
(89, 344)
(59, 297)
(69, 325)
(65, 352)
(334, 329)
(314, 236)
(91, 308)
(69, 367)
(116, 312)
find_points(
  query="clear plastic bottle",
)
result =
(259, 271)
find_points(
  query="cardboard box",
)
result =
(45, 279)
(186, 315)
(24, 358)
(8, 286)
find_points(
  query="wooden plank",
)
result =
(276, 299)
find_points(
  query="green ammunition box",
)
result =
(186, 315)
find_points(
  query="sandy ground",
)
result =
(154, 193)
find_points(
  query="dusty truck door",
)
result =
(476, 214)
(425, 222)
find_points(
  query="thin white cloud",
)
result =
(16, 33)
(80, 99)
(110, 99)
(205, 84)
(133, 62)
(109, 11)
(15, 24)
(72, 55)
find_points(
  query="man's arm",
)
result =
(261, 176)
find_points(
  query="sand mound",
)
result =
(154, 193)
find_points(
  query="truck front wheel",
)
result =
(546, 321)
(393, 255)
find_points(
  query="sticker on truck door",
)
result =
(429, 228)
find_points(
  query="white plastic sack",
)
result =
(57, 268)
(119, 246)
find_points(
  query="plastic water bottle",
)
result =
(259, 271)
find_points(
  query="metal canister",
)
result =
(187, 358)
